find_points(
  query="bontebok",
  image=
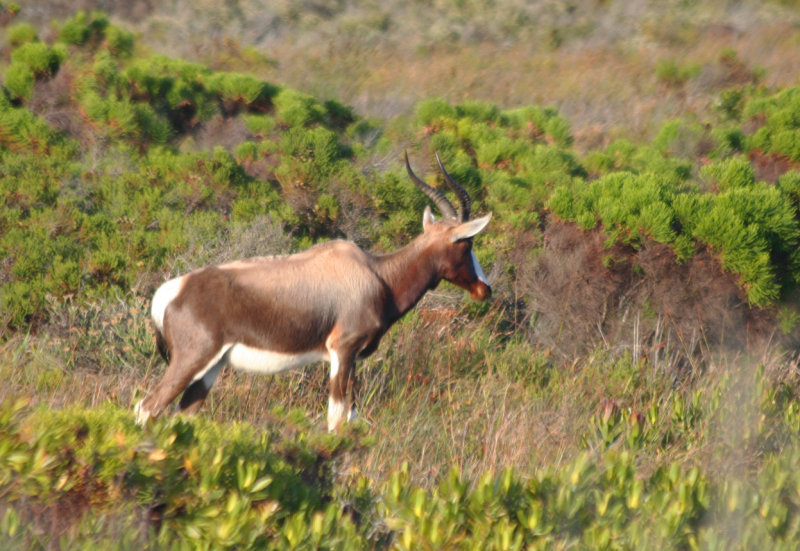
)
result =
(332, 302)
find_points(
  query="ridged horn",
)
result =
(465, 203)
(438, 198)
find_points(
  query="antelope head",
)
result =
(454, 233)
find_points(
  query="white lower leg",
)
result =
(141, 414)
(335, 413)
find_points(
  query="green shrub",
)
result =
(729, 174)
(232, 487)
(21, 33)
(119, 42)
(751, 225)
(260, 125)
(317, 145)
(81, 28)
(779, 133)
(246, 151)
(539, 122)
(241, 90)
(730, 104)
(477, 111)
(491, 153)
(787, 142)
(789, 186)
(337, 115)
(430, 111)
(39, 57)
(297, 109)
(671, 73)
(19, 81)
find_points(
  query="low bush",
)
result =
(21, 33)
(188, 481)
(86, 477)
(749, 223)
(781, 125)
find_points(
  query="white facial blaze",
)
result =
(478, 269)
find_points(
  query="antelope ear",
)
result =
(470, 228)
(427, 219)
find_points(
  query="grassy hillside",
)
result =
(632, 384)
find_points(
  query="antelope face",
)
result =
(459, 265)
(466, 272)
(457, 260)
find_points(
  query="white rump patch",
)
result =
(164, 295)
(265, 361)
(478, 269)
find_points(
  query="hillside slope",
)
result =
(635, 372)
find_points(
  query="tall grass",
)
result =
(598, 366)
(444, 388)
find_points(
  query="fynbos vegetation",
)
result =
(631, 384)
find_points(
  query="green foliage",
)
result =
(225, 486)
(21, 33)
(241, 90)
(39, 57)
(81, 28)
(630, 207)
(297, 109)
(729, 174)
(430, 111)
(19, 81)
(781, 128)
(730, 104)
(672, 73)
(755, 230)
(303, 162)
(522, 152)
(750, 224)
(139, 181)
(232, 485)
(119, 41)
(261, 125)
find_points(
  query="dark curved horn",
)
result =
(441, 202)
(463, 197)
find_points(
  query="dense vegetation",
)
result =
(632, 384)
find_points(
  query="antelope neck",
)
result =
(408, 272)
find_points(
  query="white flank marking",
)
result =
(478, 269)
(210, 372)
(335, 413)
(264, 361)
(164, 295)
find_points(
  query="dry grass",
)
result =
(444, 388)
